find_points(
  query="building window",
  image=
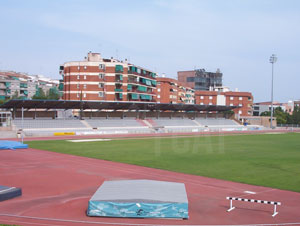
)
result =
(84, 77)
(230, 104)
(210, 104)
(78, 68)
(77, 95)
(101, 94)
(101, 76)
(240, 105)
(240, 98)
(102, 66)
(78, 86)
(201, 103)
(158, 90)
(240, 112)
(158, 96)
(84, 95)
(78, 77)
(84, 86)
(210, 97)
(231, 98)
(190, 79)
(201, 97)
(101, 85)
(84, 67)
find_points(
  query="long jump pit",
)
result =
(56, 189)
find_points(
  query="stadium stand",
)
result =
(178, 122)
(216, 122)
(94, 118)
(113, 122)
(48, 123)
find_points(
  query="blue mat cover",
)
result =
(9, 192)
(138, 210)
(7, 144)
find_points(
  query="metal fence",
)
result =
(289, 125)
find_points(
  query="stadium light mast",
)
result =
(273, 60)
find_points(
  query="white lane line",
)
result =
(7, 189)
(88, 140)
(135, 224)
(250, 192)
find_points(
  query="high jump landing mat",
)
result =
(139, 199)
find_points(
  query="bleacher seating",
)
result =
(46, 127)
(48, 123)
(113, 122)
(216, 122)
(178, 122)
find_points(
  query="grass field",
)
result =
(271, 160)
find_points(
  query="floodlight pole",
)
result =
(273, 59)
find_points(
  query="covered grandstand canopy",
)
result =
(109, 105)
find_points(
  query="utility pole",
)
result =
(273, 60)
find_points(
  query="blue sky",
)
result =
(237, 36)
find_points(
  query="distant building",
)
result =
(297, 103)
(243, 100)
(261, 107)
(171, 91)
(24, 85)
(100, 79)
(200, 79)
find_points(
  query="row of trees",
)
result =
(283, 117)
(51, 94)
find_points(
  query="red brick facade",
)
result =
(242, 99)
(97, 79)
(171, 91)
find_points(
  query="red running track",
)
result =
(56, 189)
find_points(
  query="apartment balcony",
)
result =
(141, 92)
(118, 81)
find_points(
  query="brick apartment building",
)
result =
(200, 79)
(171, 91)
(99, 79)
(244, 100)
(24, 85)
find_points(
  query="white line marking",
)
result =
(88, 140)
(250, 192)
(6, 189)
(120, 223)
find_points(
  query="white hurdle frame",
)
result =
(253, 200)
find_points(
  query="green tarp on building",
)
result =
(142, 88)
(134, 96)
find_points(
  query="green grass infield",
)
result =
(271, 160)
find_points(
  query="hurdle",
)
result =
(253, 200)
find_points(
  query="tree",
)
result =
(15, 95)
(281, 116)
(284, 117)
(53, 94)
(296, 115)
(39, 95)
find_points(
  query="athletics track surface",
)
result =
(56, 189)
